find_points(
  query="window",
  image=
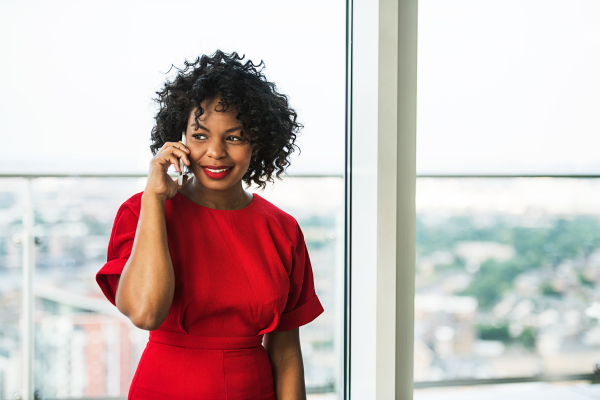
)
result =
(507, 198)
(83, 80)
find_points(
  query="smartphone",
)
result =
(180, 178)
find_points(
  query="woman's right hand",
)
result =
(159, 182)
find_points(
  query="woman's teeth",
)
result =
(216, 171)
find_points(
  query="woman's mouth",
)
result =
(215, 172)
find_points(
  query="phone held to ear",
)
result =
(180, 178)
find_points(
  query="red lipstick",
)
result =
(217, 172)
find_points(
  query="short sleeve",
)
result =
(302, 305)
(119, 250)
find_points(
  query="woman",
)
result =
(206, 267)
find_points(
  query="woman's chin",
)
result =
(220, 185)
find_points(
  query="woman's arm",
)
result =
(146, 286)
(284, 352)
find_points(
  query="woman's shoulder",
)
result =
(268, 210)
(134, 204)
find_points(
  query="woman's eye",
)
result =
(234, 138)
(199, 136)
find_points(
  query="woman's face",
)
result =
(219, 154)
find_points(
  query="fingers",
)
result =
(159, 180)
(163, 160)
(178, 145)
(176, 148)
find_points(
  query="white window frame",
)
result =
(381, 180)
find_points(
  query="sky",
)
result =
(77, 78)
(508, 86)
(504, 86)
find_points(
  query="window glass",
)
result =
(506, 268)
(508, 87)
(507, 278)
(11, 283)
(77, 78)
(82, 339)
(77, 81)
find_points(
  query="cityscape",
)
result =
(506, 286)
(507, 278)
(83, 346)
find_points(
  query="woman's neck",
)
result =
(232, 199)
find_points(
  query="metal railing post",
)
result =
(28, 241)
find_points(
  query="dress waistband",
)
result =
(204, 342)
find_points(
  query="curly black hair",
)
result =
(262, 110)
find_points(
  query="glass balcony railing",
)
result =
(507, 280)
(83, 347)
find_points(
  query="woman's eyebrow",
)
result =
(199, 126)
(234, 129)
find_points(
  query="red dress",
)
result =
(238, 275)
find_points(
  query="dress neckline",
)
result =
(249, 206)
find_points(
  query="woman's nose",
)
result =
(216, 149)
